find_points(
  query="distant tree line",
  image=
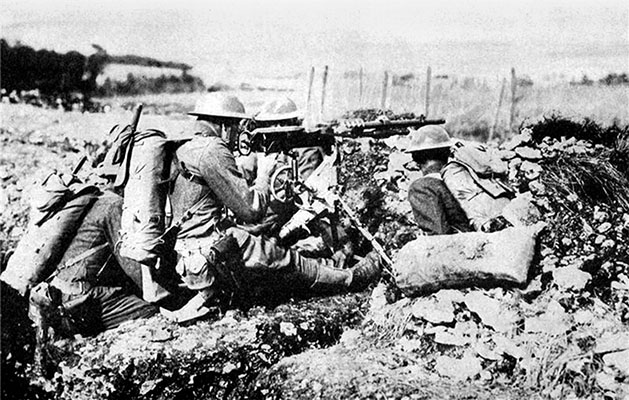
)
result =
(148, 62)
(58, 75)
(24, 68)
(615, 79)
(134, 85)
(611, 79)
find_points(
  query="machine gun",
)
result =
(282, 139)
(318, 194)
(285, 139)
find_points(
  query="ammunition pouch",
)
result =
(212, 262)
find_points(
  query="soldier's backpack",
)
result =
(58, 206)
(476, 176)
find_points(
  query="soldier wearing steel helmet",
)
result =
(210, 181)
(436, 210)
(283, 111)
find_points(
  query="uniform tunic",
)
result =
(102, 282)
(209, 160)
(436, 211)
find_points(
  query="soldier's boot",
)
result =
(366, 271)
(325, 277)
(44, 312)
(320, 274)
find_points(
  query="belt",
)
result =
(71, 287)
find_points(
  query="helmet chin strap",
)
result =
(224, 133)
(228, 136)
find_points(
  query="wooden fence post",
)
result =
(385, 89)
(308, 114)
(514, 86)
(428, 73)
(492, 131)
(360, 87)
(323, 89)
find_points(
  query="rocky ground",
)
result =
(564, 335)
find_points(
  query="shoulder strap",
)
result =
(192, 210)
(79, 258)
(185, 172)
(84, 255)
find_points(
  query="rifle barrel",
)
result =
(79, 165)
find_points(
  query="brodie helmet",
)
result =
(219, 105)
(429, 137)
(280, 109)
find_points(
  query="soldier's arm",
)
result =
(219, 170)
(427, 208)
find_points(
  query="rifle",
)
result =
(282, 139)
(129, 132)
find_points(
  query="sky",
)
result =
(273, 37)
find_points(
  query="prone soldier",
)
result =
(436, 210)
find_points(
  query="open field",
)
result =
(468, 105)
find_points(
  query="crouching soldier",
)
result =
(96, 289)
(209, 181)
(436, 210)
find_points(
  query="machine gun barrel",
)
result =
(285, 138)
(383, 129)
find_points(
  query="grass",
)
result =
(468, 105)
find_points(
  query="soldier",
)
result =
(436, 210)
(279, 112)
(97, 288)
(283, 112)
(209, 181)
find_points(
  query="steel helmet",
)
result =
(279, 109)
(429, 137)
(219, 105)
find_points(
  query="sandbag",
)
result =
(145, 195)
(40, 250)
(431, 263)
